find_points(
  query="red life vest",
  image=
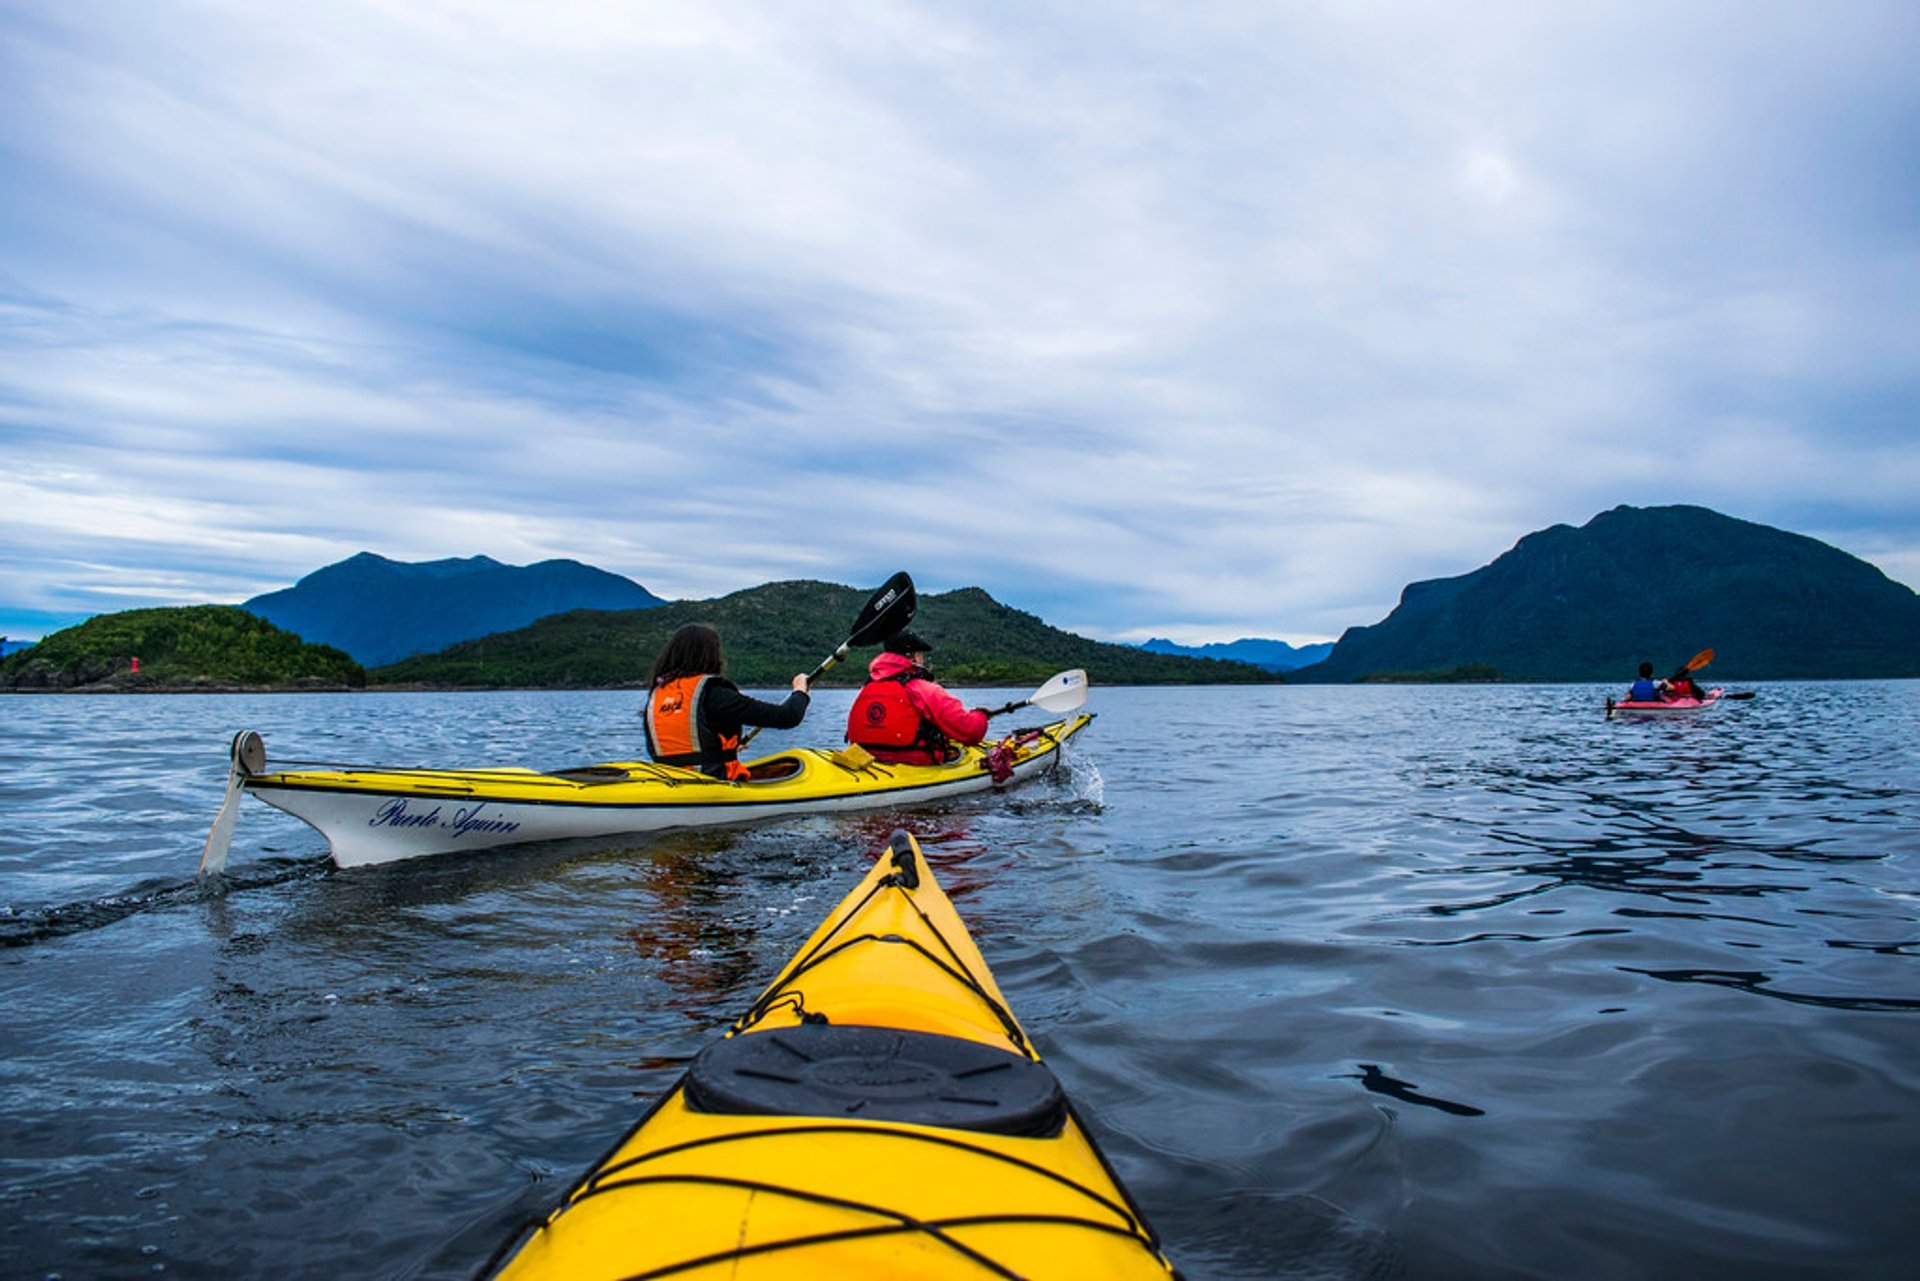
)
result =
(885, 722)
(678, 735)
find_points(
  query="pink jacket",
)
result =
(957, 721)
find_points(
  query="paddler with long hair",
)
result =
(694, 714)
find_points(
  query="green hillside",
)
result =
(182, 647)
(773, 631)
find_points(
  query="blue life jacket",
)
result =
(1644, 691)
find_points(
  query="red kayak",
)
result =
(1633, 708)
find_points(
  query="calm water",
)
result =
(1350, 982)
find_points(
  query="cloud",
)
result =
(1204, 323)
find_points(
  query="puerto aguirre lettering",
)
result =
(396, 814)
(465, 821)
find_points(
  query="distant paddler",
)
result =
(1682, 685)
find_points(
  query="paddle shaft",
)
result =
(890, 609)
(825, 663)
(1063, 692)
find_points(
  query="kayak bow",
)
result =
(878, 1112)
(378, 815)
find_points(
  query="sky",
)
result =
(1200, 321)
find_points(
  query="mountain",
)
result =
(178, 647)
(1657, 584)
(1272, 655)
(775, 630)
(380, 610)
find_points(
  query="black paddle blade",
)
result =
(890, 609)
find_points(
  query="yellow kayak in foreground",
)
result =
(878, 1112)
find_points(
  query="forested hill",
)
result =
(775, 630)
(179, 648)
(1657, 584)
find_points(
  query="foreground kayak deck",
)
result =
(878, 1112)
(371, 815)
(1627, 708)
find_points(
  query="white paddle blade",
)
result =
(1063, 693)
(213, 858)
(249, 756)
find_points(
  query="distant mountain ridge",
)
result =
(380, 610)
(1656, 584)
(1270, 655)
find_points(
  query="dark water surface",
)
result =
(1350, 982)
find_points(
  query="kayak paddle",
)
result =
(248, 755)
(1695, 663)
(890, 609)
(1062, 693)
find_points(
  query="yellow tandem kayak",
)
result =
(878, 1112)
(373, 814)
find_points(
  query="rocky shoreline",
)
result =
(130, 684)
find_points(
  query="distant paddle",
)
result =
(890, 610)
(1695, 663)
(1745, 693)
(1062, 693)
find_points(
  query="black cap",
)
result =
(906, 643)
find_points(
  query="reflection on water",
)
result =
(702, 950)
(1360, 982)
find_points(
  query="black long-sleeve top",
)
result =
(726, 709)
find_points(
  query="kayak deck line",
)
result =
(792, 1179)
(375, 814)
(576, 776)
(605, 1181)
(768, 769)
(938, 1229)
(377, 781)
(953, 965)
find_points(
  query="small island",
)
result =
(178, 649)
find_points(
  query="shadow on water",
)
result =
(353, 890)
(1373, 1078)
(161, 894)
(683, 858)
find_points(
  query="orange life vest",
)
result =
(677, 734)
